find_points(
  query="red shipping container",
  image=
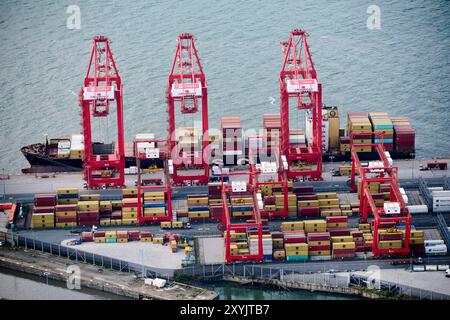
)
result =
(99, 234)
(87, 236)
(66, 207)
(45, 200)
(269, 200)
(388, 236)
(277, 235)
(356, 234)
(298, 239)
(336, 219)
(344, 251)
(318, 236)
(319, 248)
(308, 211)
(306, 197)
(87, 214)
(130, 204)
(146, 234)
(65, 219)
(338, 232)
(360, 248)
(43, 209)
(303, 190)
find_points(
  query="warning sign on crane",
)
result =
(100, 92)
(187, 89)
(302, 85)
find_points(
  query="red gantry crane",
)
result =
(229, 226)
(269, 173)
(394, 211)
(103, 164)
(187, 90)
(298, 80)
(153, 181)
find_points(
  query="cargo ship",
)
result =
(66, 153)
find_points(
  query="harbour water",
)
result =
(402, 68)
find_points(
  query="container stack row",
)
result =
(198, 207)
(44, 211)
(404, 135)
(154, 203)
(381, 123)
(271, 126)
(215, 201)
(232, 139)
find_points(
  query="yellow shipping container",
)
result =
(320, 253)
(122, 240)
(197, 201)
(277, 243)
(128, 192)
(158, 240)
(66, 214)
(417, 240)
(198, 214)
(68, 201)
(116, 222)
(100, 240)
(88, 205)
(177, 224)
(238, 235)
(105, 222)
(337, 225)
(390, 244)
(129, 221)
(329, 203)
(296, 246)
(132, 209)
(342, 239)
(68, 191)
(242, 245)
(279, 253)
(308, 203)
(319, 243)
(344, 245)
(326, 195)
(129, 215)
(166, 224)
(291, 226)
(146, 239)
(89, 197)
(65, 224)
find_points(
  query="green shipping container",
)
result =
(111, 240)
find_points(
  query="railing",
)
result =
(442, 225)
(258, 272)
(398, 288)
(426, 194)
(88, 257)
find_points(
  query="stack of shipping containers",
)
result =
(271, 127)
(307, 202)
(295, 246)
(154, 204)
(66, 209)
(278, 245)
(88, 210)
(404, 135)
(359, 122)
(44, 211)
(215, 201)
(381, 123)
(232, 147)
(76, 146)
(198, 207)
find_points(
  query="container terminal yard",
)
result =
(300, 197)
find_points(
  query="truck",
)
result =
(436, 165)
(175, 225)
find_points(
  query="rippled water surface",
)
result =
(402, 68)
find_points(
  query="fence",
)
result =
(88, 257)
(444, 229)
(392, 287)
(259, 272)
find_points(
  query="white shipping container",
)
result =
(144, 136)
(159, 283)
(442, 193)
(435, 188)
(421, 208)
(429, 243)
(437, 249)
